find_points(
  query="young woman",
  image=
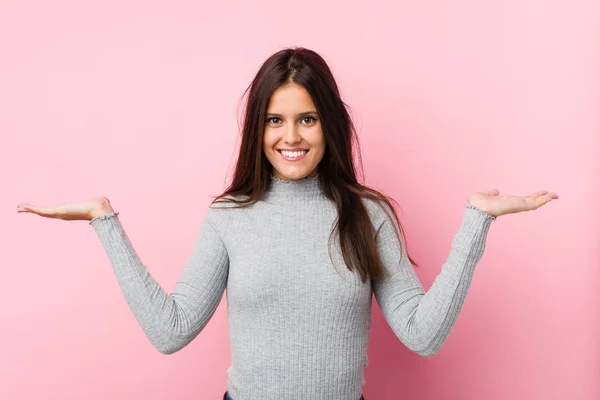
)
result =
(301, 247)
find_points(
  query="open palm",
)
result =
(84, 210)
(495, 205)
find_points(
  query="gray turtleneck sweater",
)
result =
(299, 321)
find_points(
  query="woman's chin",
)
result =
(293, 175)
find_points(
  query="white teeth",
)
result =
(293, 154)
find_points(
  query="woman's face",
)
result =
(293, 140)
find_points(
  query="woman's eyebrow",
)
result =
(299, 115)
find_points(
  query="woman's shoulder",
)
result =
(225, 207)
(230, 201)
(220, 213)
(227, 202)
(378, 209)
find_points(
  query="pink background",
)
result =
(138, 101)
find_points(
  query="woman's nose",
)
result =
(291, 135)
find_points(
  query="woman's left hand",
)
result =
(495, 205)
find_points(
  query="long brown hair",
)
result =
(337, 173)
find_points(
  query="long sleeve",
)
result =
(170, 321)
(423, 321)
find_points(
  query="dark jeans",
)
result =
(227, 397)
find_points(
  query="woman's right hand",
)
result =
(85, 210)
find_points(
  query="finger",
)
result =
(540, 193)
(44, 212)
(537, 202)
(493, 192)
(24, 207)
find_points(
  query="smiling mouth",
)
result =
(293, 155)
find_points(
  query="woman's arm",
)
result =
(170, 321)
(423, 320)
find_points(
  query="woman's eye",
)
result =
(278, 121)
